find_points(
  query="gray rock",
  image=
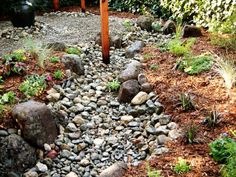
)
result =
(36, 122)
(116, 41)
(169, 27)
(74, 63)
(134, 48)
(131, 72)
(145, 22)
(140, 98)
(53, 97)
(16, 155)
(172, 125)
(128, 90)
(146, 87)
(116, 170)
(164, 119)
(41, 167)
(3, 133)
(191, 31)
(162, 139)
(57, 46)
(71, 174)
(31, 174)
(72, 127)
(126, 118)
(142, 79)
(174, 134)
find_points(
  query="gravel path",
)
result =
(71, 28)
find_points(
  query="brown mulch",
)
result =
(208, 93)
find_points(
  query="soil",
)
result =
(208, 92)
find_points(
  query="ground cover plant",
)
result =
(181, 166)
(113, 86)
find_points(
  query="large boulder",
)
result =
(74, 63)
(145, 22)
(115, 40)
(134, 48)
(16, 155)
(169, 27)
(116, 170)
(36, 122)
(191, 31)
(128, 90)
(131, 72)
(57, 46)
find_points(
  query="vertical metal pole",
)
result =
(56, 4)
(83, 6)
(105, 31)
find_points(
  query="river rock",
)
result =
(116, 170)
(140, 98)
(36, 122)
(16, 155)
(169, 27)
(128, 90)
(191, 31)
(145, 22)
(134, 48)
(74, 63)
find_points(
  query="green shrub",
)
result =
(182, 166)
(179, 48)
(58, 75)
(207, 13)
(72, 50)
(54, 59)
(195, 64)
(8, 97)
(142, 7)
(113, 86)
(34, 85)
(154, 67)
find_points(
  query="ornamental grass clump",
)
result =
(227, 70)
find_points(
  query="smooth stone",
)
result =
(140, 98)
(126, 118)
(41, 167)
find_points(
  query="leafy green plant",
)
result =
(54, 59)
(19, 55)
(128, 24)
(113, 86)
(190, 133)
(156, 26)
(213, 119)
(179, 48)
(163, 47)
(227, 70)
(154, 67)
(206, 13)
(195, 64)
(72, 50)
(34, 85)
(186, 102)
(151, 172)
(181, 166)
(8, 97)
(58, 75)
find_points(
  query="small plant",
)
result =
(43, 54)
(163, 47)
(154, 67)
(148, 56)
(195, 64)
(72, 50)
(190, 133)
(152, 172)
(8, 97)
(19, 55)
(182, 166)
(58, 75)
(179, 48)
(156, 26)
(113, 86)
(34, 85)
(54, 59)
(186, 102)
(224, 40)
(227, 70)
(213, 119)
(128, 24)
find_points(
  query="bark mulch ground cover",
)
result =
(208, 93)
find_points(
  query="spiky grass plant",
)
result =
(181, 166)
(227, 70)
